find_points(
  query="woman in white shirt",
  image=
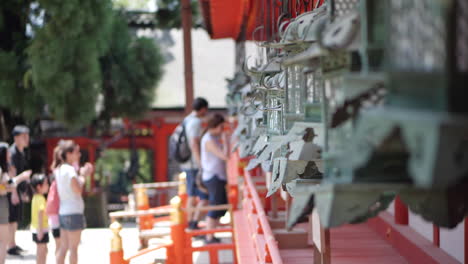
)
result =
(71, 211)
(214, 154)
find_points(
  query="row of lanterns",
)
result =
(359, 102)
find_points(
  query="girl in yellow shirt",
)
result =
(39, 221)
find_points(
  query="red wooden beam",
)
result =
(158, 143)
(410, 244)
(401, 212)
(92, 160)
(267, 232)
(188, 71)
(436, 236)
(466, 240)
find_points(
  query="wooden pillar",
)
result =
(188, 69)
(92, 160)
(213, 256)
(160, 153)
(178, 231)
(50, 145)
(436, 236)
(117, 254)
(466, 240)
(401, 212)
(322, 241)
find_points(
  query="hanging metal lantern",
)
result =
(340, 8)
(333, 68)
(314, 95)
(296, 96)
(274, 111)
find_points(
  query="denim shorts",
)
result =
(4, 212)
(192, 189)
(72, 222)
(216, 195)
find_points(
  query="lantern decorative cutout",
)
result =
(274, 111)
(314, 95)
(340, 8)
(295, 99)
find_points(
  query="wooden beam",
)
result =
(188, 69)
(436, 236)
(401, 212)
(466, 240)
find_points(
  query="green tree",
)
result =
(56, 53)
(132, 4)
(64, 57)
(169, 16)
(132, 68)
(18, 97)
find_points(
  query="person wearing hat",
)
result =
(19, 164)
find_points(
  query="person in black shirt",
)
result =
(18, 165)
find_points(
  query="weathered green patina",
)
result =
(363, 100)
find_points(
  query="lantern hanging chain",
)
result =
(275, 108)
(255, 32)
(317, 4)
(251, 103)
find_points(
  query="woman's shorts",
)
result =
(14, 210)
(44, 240)
(4, 212)
(192, 189)
(72, 222)
(56, 232)
(216, 195)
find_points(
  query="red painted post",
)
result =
(50, 145)
(436, 236)
(92, 160)
(178, 230)
(466, 240)
(159, 154)
(182, 193)
(401, 212)
(116, 255)
(259, 227)
(170, 254)
(214, 256)
(186, 12)
(142, 202)
(254, 209)
(271, 243)
(267, 255)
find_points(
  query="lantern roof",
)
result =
(225, 19)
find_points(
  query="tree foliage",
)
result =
(15, 83)
(131, 69)
(64, 57)
(113, 162)
(169, 14)
(65, 54)
(131, 4)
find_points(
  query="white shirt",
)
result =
(212, 165)
(70, 202)
(193, 129)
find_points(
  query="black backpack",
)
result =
(179, 147)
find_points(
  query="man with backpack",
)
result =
(185, 148)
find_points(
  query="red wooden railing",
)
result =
(180, 250)
(264, 240)
(212, 249)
